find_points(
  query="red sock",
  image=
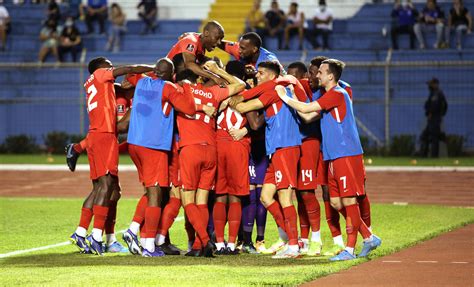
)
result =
(111, 217)
(304, 220)
(169, 215)
(220, 217)
(353, 222)
(197, 245)
(235, 214)
(203, 209)
(195, 216)
(291, 224)
(100, 216)
(314, 211)
(86, 217)
(364, 206)
(332, 218)
(139, 215)
(152, 218)
(275, 210)
(189, 229)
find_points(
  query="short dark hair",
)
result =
(254, 38)
(316, 61)
(335, 67)
(271, 65)
(187, 75)
(236, 68)
(300, 66)
(95, 63)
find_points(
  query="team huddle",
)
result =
(227, 144)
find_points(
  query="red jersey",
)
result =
(191, 44)
(230, 119)
(123, 104)
(307, 88)
(200, 128)
(101, 103)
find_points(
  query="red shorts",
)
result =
(232, 168)
(152, 165)
(322, 171)
(346, 176)
(123, 147)
(307, 167)
(173, 163)
(102, 152)
(197, 166)
(283, 168)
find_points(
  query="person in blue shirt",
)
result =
(404, 16)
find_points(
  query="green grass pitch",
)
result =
(33, 222)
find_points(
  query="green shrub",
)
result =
(56, 141)
(76, 138)
(455, 144)
(402, 145)
(20, 144)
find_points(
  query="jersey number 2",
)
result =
(92, 92)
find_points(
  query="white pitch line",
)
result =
(459, 262)
(392, 261)
(131, 167)
(18, 252)
(426, 261)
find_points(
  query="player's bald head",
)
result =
(214, 26)
(164, 69)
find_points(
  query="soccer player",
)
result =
(193, 46)
(282, 140)
(102, 145)
(150, 138)
(198, 156)
(309, 211)
(342, 148)
(233, 148)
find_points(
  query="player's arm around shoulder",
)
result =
(180, 98)
(131, 69)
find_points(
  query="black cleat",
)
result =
(194, 253)
(232, 252)
(170, 249)
(207, 251)
(71, 157)
(222, 251)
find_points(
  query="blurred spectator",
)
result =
(70, 40)
(322, 20)
(96, 10)
(4, 26)
(295, 24)
(460, 20)
(435, 109)
(118, 27)
(49, 38)
(275, 23)
(431, 19)
(53, 11)
(255, 21)
(404, 16)
(148, 10)
(74, 9)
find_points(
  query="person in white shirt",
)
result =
(4, 26)
(322, 20)
(295, 24)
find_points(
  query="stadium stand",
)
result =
(39, 100)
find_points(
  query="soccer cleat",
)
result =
(80, 242)
(303, 244)
(132, 242)
(208, 250)
(170, 249)
(157, 253)
(71, 157)
(342, 256)
(286, 253)
(314, 248)
(277, 246)
(370, 245)
(260, 246)
(222, 251)
(193, 253)
(116, 247)
(96, 247)
(232, 252)
(249, 248)
(333, 250)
